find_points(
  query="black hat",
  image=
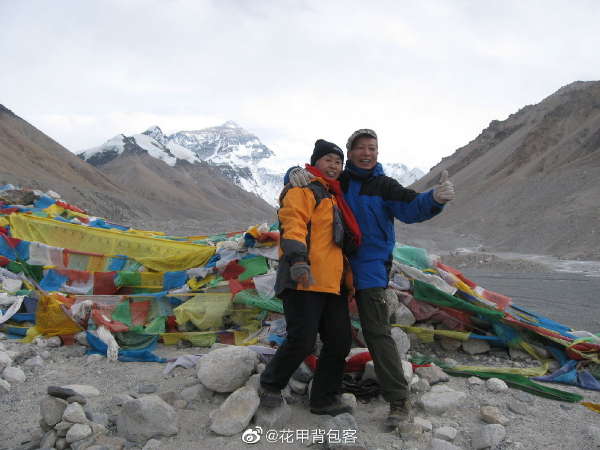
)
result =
(323, 148)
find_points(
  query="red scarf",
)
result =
(347, 214)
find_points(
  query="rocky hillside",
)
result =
(137, 189)
(531, 183)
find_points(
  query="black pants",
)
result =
(307, 313)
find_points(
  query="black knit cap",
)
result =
(322, 148)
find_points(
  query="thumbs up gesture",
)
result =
(444, 191)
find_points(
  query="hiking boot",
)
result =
(270, 398)
(399, 413)
(333, 408)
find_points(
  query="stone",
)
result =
(235, 413)
(4, 386)
(84, 390)
(518, 354)
(425, 424)
(145, 418)
(523, 396)
(518, 408)
(475, 381)
(297, 387)
(60, 392)
(445, 433)
(78, 432)
(14, 375)
(152, 444)
(226, 369)
(438, 401)
(196, 392)
(63, 426)
(260, 368)
(52, 409)
(440, 444)
(369, 373)
(100, 418)
(403, 315)
(408, 430)
(273, 418)
(147, 388)
(61, 444)
(402, 341)
(407, 370)
(491, 414)
(349, 399)
(120, 399)
(449, 344)
(170, 397)
(49, 439)
(421, 385)
(53, 342)
(5, 360)
(36, 361)
(254, 382)
(496, 385)
(475, 346)
(303, 373)
(433, 374)
(488, 436)
(74, 413)
(450, 362)
(180, 404)
(77, 399)
(81, 339)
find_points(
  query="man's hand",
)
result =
(444, 192)
(300, 273)
(300, 177)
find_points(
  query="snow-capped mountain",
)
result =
(237, 154)
(403, 174)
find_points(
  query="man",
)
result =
(376, 200)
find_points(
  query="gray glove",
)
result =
(300, 177)
(300, 273)
(444, 191)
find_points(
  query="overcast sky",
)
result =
(428, 76)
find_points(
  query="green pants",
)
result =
(374, 320)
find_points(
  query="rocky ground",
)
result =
(136, 405)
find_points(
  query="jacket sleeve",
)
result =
(294, 218)
(407, 205)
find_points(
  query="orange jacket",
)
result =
(307, 235)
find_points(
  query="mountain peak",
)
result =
(230, 124)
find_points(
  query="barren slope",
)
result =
(531, 183)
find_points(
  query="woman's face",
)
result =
(330, 165)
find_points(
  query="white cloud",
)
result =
(428, 76)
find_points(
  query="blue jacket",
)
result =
(375, 200)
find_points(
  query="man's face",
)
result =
(330, 165)
(364, 153)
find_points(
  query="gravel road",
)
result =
(572, 299)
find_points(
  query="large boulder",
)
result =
(235, 413)
(146, 417)
(440, 399)
(226, 369)
(402, 341)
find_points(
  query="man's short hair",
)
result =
(363, 132)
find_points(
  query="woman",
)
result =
(314, 223)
